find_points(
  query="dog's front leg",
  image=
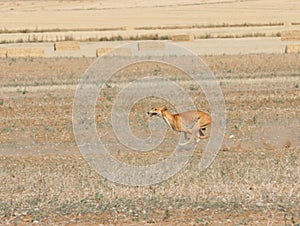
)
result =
(188, 131)
(185, 135)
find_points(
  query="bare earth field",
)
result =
(32, 14)
(48, 21)
(254, 179)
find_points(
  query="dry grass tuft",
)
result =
(113, 52)
(182, 38)
(3, 52)
(66, 45)
(293, 35)
(25, 52)
(123, 52)
(287, 24)
(292, 49)
(101, 51)
(151, 46)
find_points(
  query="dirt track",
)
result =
(202, 47)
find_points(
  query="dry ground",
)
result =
(41, 21)
(255, 178)
(228, 46)
(253, 181)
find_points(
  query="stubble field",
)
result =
(253, 180)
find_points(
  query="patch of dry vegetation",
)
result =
(25, 52)
(66, 46)
(292, 49)
(292, 35)
(254, 179)
(40, 186)
(167, 27)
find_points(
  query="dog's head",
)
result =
(157, 111)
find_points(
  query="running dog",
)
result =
(192, 122)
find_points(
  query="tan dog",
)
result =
(189, 122)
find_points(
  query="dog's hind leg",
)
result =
(185, 135)
(201, 134)
(188, 142)
(197, 132)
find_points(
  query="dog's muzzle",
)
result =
(151, 113)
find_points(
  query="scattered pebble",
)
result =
(287, 144)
